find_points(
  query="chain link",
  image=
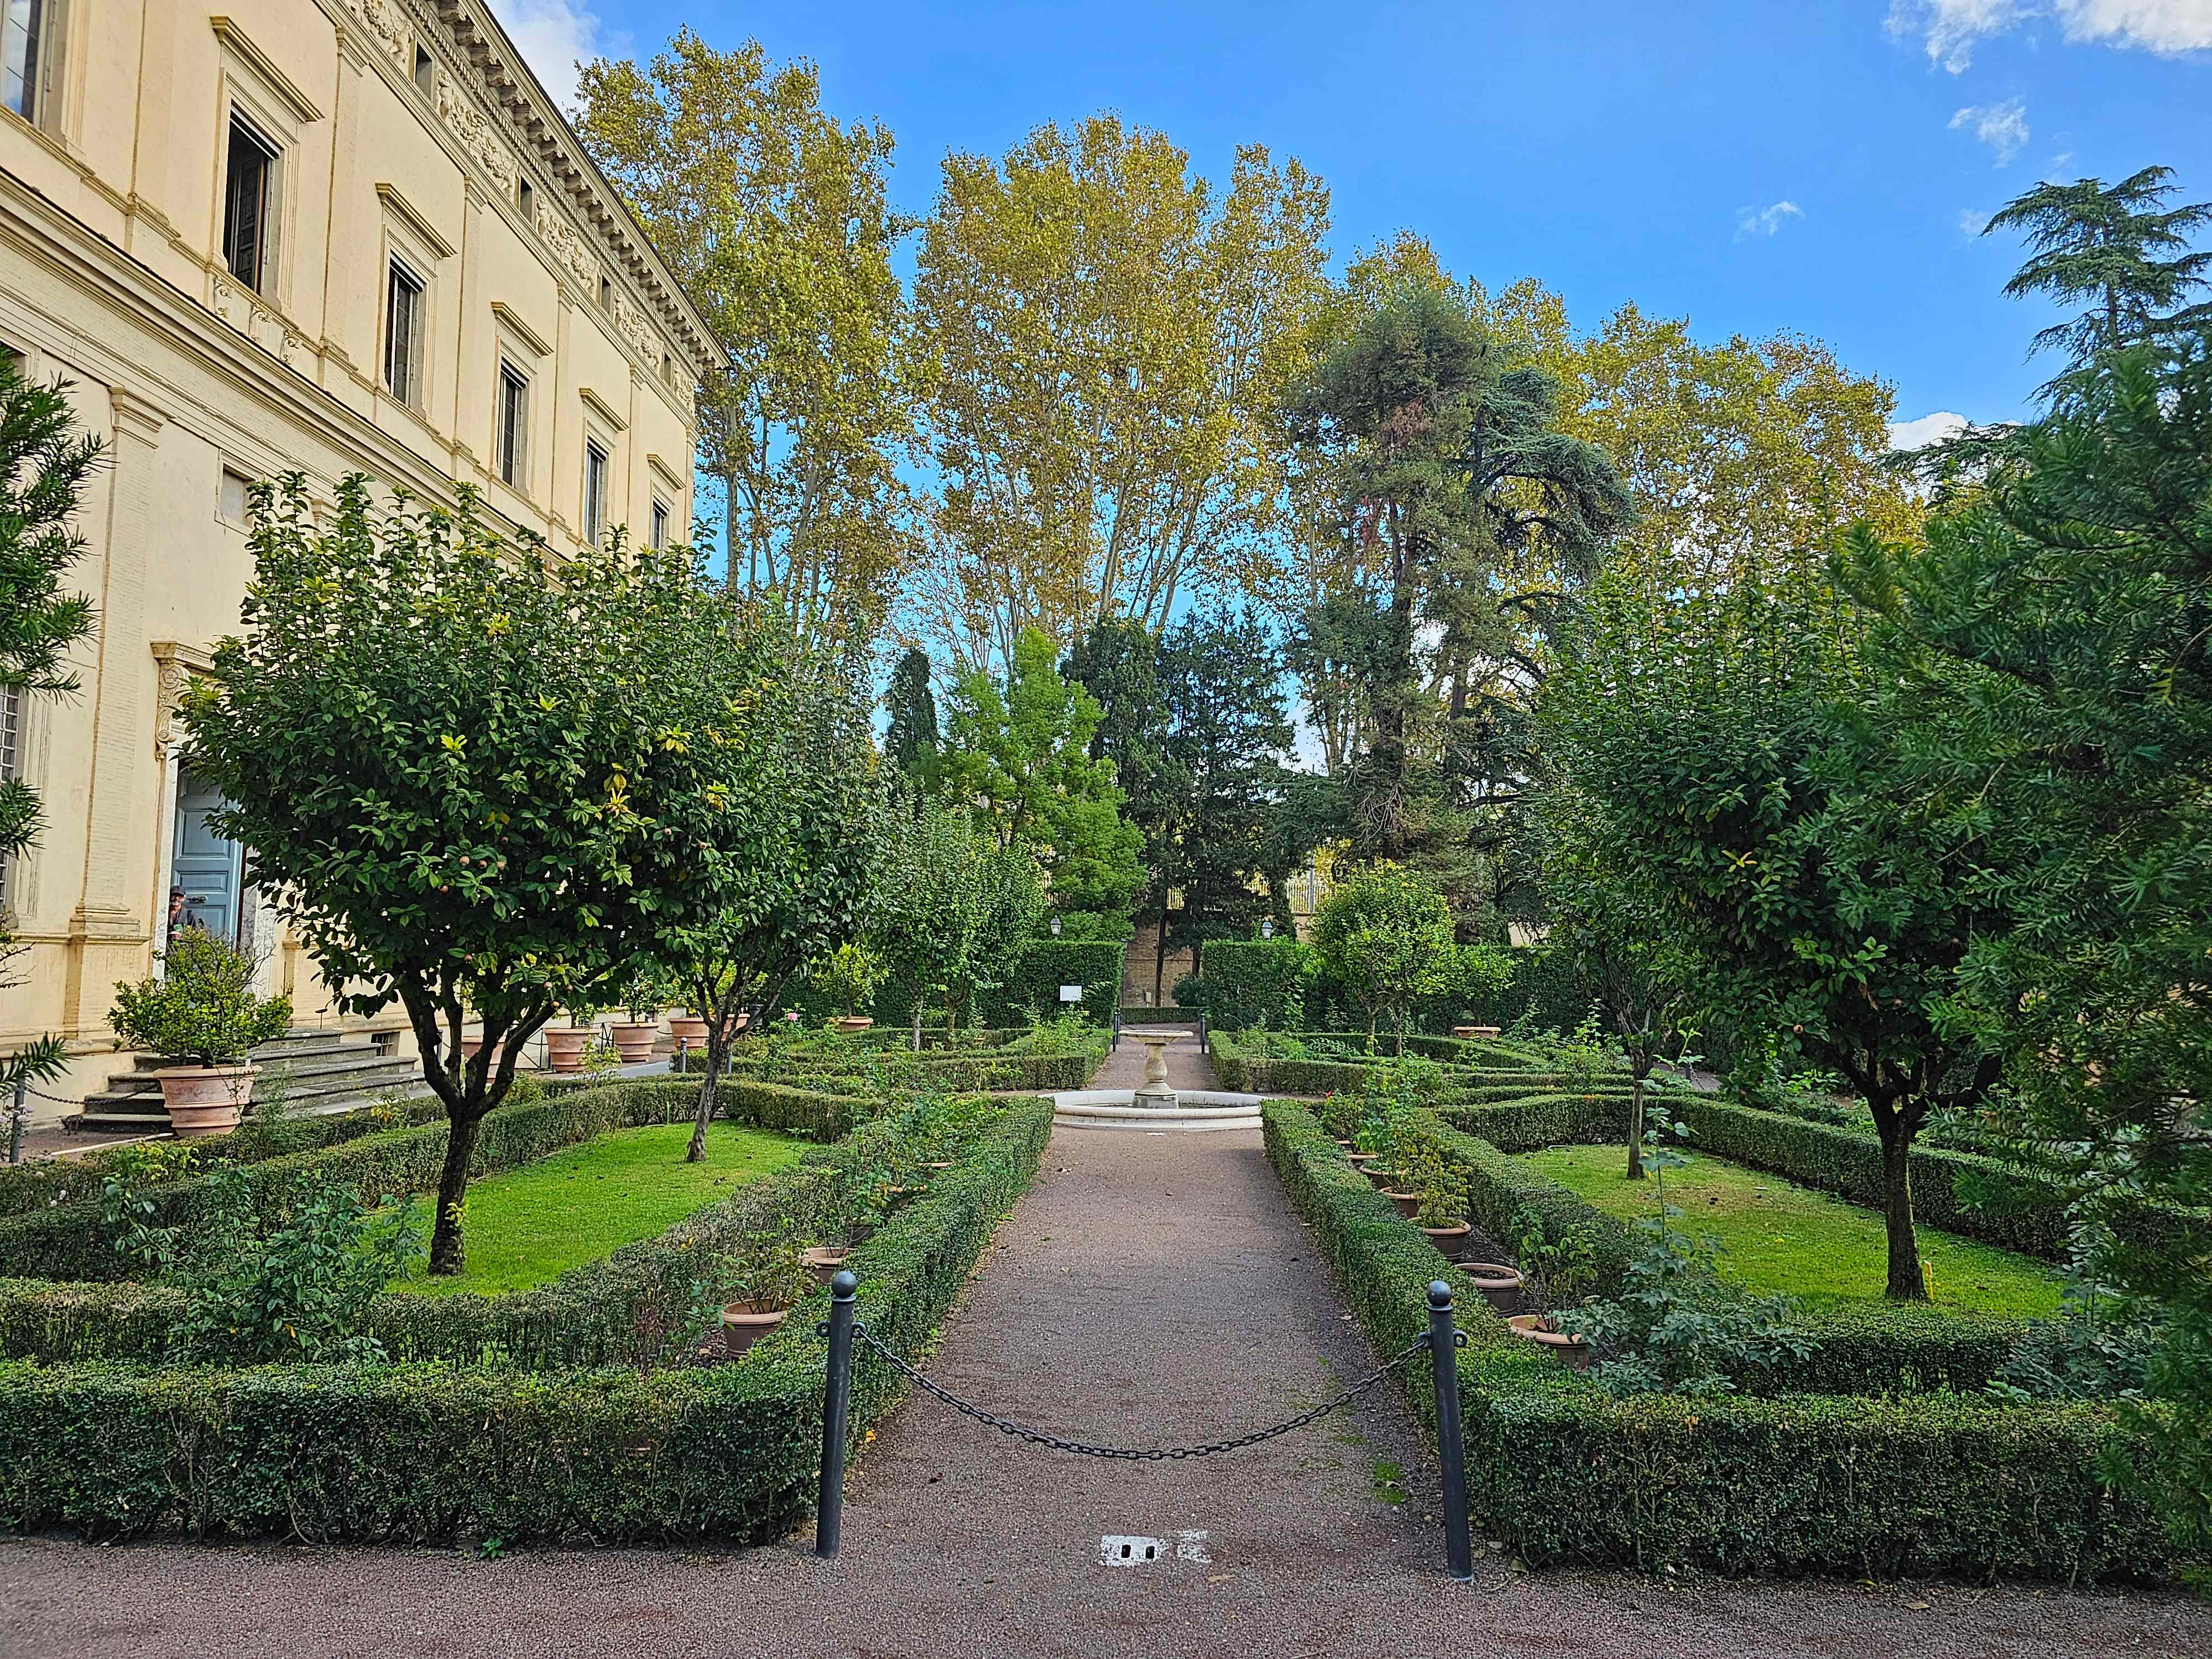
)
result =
(1154, 1454)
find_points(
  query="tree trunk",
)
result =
(722, 1012)
(1636, 1122)
(1905, 1282)
(449, 1252)
(917, 1019)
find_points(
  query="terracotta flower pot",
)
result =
(1449, 1240)
(565, 1046)
(1409, 1204)
(1382, 1178)
(688, 1029)
(205, 1100)
(1500, 1285)
(634, 1039)
(823, 1260)
(745, 1324)
(1573, 1352)
(850, 1022)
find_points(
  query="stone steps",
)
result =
(328, 1071)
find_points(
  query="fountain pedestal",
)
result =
(1153, 1093)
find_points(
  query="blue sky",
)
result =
(1817, 167)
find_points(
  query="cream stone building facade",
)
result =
(323, 235)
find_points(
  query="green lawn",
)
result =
(1777, 1236)
(531, 1225)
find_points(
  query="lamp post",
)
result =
(1056, 926)
(1267, 927)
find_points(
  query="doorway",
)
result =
(210, 867)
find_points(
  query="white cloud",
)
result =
(2165, 26)
(553, 36)
(1764, 221)
(1951, 29)
(1972, 222)
(1927, 429)
(2002, 127)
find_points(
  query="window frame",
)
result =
(45, 44)
(510, 436)
(241, 124)
(598, 475)
(398, 271)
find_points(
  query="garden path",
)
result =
(1150, 1289)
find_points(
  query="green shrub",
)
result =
(440, 1455)
(1256, 982)
(69, 1243)
(202, 1007)
(1930, 1483)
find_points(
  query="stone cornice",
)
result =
(540, 132)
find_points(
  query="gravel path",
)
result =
(1150, 1289)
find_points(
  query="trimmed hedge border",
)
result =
(68, 1243)
(1930, 1483)
(619, 1310)
(436, 1454)
(46, 1183)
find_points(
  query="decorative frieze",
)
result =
(459, 112)
(558, 234)
(387, 25)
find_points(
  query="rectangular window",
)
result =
(660, 523)
(22, 39)
(424, 72)
(402, 334)
(595, 491)
(525, 197)
(511, 444)
(606, 294)
(248, 197)
(232, 502)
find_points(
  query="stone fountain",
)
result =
(1153, 1094)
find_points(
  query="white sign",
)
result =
(1070, 994)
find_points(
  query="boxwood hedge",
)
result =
(1927, 1482)
(439, 1454)
(70, 1242)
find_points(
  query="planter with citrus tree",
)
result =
(201, 1011)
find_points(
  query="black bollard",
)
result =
(1451, 1449)
(836, 1394)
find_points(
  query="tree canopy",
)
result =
(480, 782)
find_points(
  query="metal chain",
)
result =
(1037, 1436)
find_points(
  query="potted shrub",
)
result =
(1442, 1214)
(850, 978)
(771, 1276)
(201, 1011)
(1554, 1272)
(567, 1045)
(643, 998)
(867, 1202)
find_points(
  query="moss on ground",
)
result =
(530, 1225)
(1777, 1236)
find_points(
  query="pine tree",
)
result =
(44, 462)
(2103, 244)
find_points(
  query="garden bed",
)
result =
(504, 1438)
(1864, 1470)
(528, 1226)
(1775, 1236)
